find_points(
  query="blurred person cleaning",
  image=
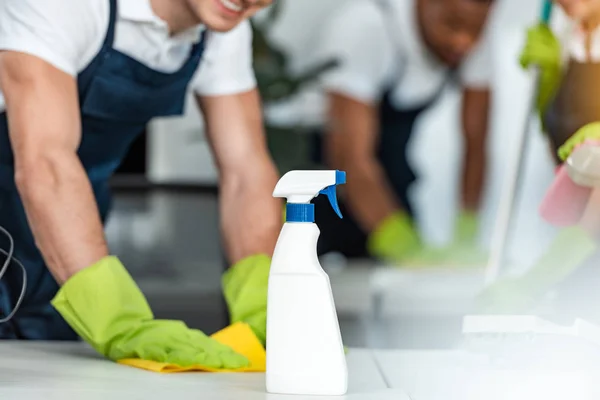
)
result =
(395, 58)
(568, 54)
(79, 80)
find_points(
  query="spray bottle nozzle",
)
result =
(300, 187)
(330, 192)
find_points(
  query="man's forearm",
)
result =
(351, 143)
(368, 193)
(62, 213)
(475, 116)
(251, 218)
(473, 175)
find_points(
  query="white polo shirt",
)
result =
(379, 49)
(69, 33)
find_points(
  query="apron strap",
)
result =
(199, 47)
(112, 20)
(85, 77)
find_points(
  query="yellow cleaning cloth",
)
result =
(238, 336)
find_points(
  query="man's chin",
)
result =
(221, 26)
(453, 61)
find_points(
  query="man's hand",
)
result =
(250, 216)
(463, 250)
(543, 49)
(587, 12)
(45, 131)
(106, 308)
(245, 288)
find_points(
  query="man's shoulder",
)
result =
(61, 32)
(56, 10)
(360, 14)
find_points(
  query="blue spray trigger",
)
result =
(331, 194)
(340, 177)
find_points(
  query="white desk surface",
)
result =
(37, 370)
(49, 371)
(362, 286)
(459, 375)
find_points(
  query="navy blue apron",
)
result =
(118, 97)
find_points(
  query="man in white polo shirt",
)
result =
(79, 80)
(394, 59)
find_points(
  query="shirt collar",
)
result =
(141, 11)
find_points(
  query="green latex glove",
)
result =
(543, 49)
(105, 307)
(462, 251)
(571, 247)
(245, 286)
(456, 256)
(466, 227)
(427, 256)
(588, 132)
(395, 239)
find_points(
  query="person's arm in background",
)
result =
(359, 40)
(475, 79)
(251, 217)
(475, 122)
(351, 143)
(475, 115)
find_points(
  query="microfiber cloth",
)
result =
(565, 201)
(239, 337)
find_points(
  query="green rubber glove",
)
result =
(571, 247)
(427, 256)
(106, 308)
(395, 239)
(466, 227)
(588, 132)
(543, 49)
(245, 286)
(462, 251)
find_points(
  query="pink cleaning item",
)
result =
(565, 201)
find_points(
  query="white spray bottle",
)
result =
(305, 354)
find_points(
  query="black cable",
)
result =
(9, 257)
